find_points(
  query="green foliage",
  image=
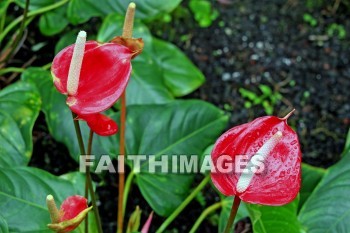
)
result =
(311, 176)
(336, 30)
(194, 125)
(271, 219)
(23, 193)
(203, 12)
(20, 105)
(268, 99)
(328, 208)
(310, 20)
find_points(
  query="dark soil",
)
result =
(268, 42)
(251, 43)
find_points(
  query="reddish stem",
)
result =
(233, 213)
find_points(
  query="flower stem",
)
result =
(233, 213)
(182, 206)
(204, 214)
(88, 175)
(87, 169)
(128, 183)
(127, 33)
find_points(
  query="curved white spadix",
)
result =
(246, 177)
(75, 65)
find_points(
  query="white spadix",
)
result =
(246, 177)
(76, 62)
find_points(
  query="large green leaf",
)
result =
(145, 9)
(146, 85)
(179, 128)
(53, 22)
(311, 176)
(12, 150)
(225, 213)
(275, 219)
(328, 207)
(180, 75)
(20, 105)
(161, 73)
(23, 193)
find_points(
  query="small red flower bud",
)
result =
(100, 124)
(267, 145)
(72, 206)
(72, 212)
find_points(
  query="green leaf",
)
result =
(311, 176)
(23, 193)
(3, 225)
(266, 90)
(12, 151)
(180, 75)
(66, 40)
(186, 128)
(161, 72)
(226, 210)
(247, 94)
(146, 85)
(20, 105)
(203, 12)
(35, 4)
(112, 26)
(328, 207)
(53, 22)
(81, 11)
(272, 219)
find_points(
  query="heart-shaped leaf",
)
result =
(20, 104)
(328, 208)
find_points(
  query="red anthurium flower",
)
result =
(93, 76)
(104, 74)
(265, 159)
(72, 212)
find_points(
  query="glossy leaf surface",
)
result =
(310, 177)
(20, 104)
(328, 208)
(193, 125)
(145, 9)
(279, 182)
(161, 73)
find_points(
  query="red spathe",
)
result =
(279, 183)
